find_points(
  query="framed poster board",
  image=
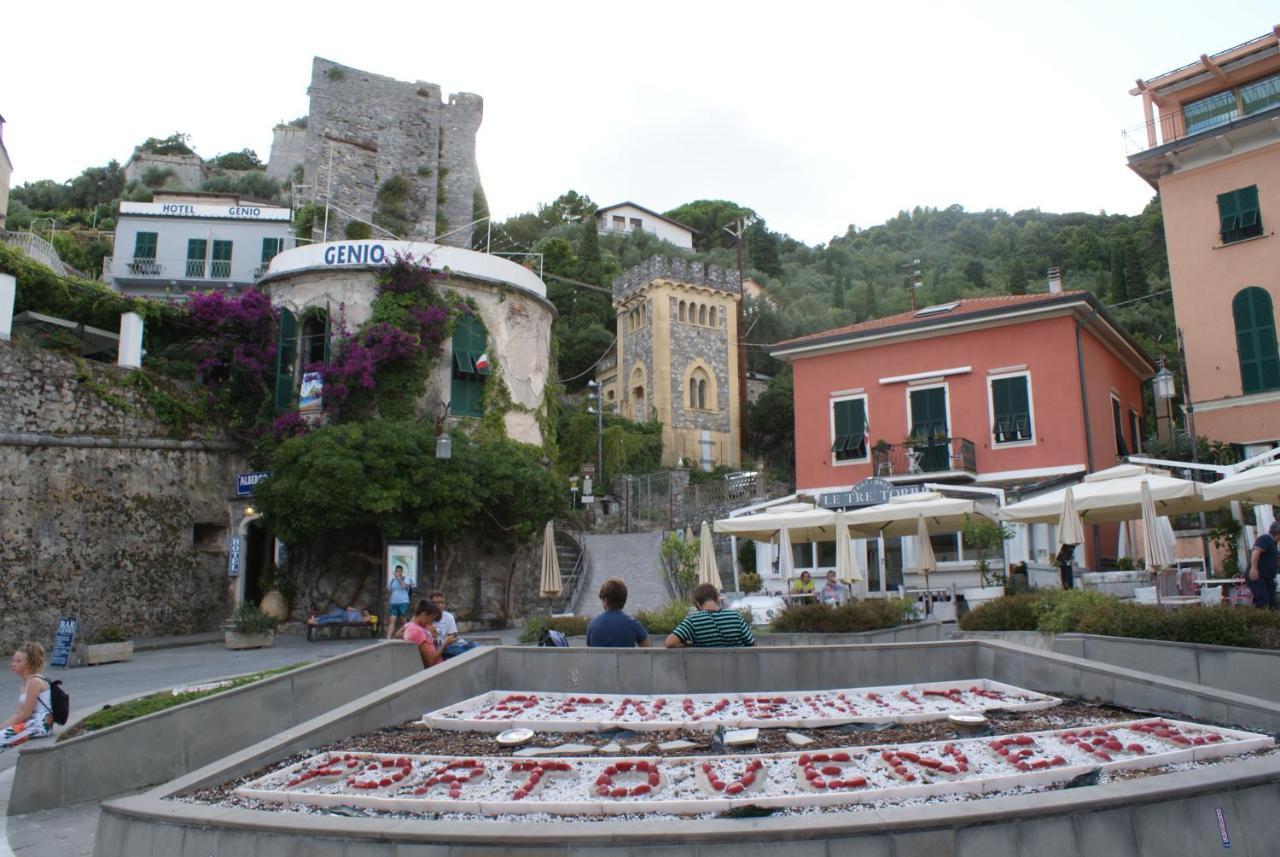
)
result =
(63, 641)
(406, 555)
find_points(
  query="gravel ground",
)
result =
(414, 738)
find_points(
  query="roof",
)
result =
(605, 208)
(974, 309)
(1264, 44)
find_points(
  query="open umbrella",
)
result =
(848, 563)
(786, 562)
(924, 558)
(1070, 530)
(708, 571)
(804, 523)
(1112, 495)
(898, 517)
(550, 585)
(1258, 485)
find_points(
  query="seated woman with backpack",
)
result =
(34, 717)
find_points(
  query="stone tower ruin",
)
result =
(391, 152)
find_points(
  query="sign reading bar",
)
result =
(246, 481)
(63, 642)
(233, 556)
(868, 492)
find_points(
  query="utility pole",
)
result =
(912, 279)
(740, 229)
(593, 395)
(1195, 444)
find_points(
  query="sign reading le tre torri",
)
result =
(868, 492)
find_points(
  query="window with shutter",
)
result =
(1239, 216)
(467, 388)
(1256, 340)
(1122, 449)
(1011, 410)
(286, 355)
(849, 429)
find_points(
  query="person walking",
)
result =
(398, 603)
(710, 625)
(1262, 568)
(614, 628)
(34, 717)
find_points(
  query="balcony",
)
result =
(143, 267)
(949, 456)
(1219, 114)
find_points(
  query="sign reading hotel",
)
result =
(868, 492)
(218, 212)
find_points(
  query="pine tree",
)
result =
(1119, 282)
(837, 293)
(869, 308)
(1017, 277)
(1135, 275)
(590, 265)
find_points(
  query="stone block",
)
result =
(111, 833)
(37, 781)
(988, 840)
(668, 672)
(925, 843)
(1053, 834)
(1249, 816)
(1163, 828)
(257, 711)
(168, 839)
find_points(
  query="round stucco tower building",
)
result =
(318, 285)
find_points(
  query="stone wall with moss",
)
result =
(113, 500)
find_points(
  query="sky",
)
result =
(816, 115)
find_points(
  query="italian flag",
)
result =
(482, 362)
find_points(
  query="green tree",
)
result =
(245, 159)
(590, 263)
(708, 218)
(771, 424)
(176, 143)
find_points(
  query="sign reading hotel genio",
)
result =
(219, 212)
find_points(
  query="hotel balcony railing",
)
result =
(143, 267)
(940, 455)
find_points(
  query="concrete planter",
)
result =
(236, 640)
(107, 653)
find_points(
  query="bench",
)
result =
(371, 627)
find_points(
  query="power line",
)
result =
(1143, 298)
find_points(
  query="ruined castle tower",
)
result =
(391, 152)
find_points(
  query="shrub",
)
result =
(1010, 613)
(664, 619)
(869, 615)
(1060, 611)
(681, 559)
(248, 619)
(570, 626)
(357, 230)
(109, 634)
(750, 582)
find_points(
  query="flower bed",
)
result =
(692, 785)
(560, 712)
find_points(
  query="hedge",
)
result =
(570, 626)
(870, 615)
(1087, 612)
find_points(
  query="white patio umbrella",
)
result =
(924, 558)
(1258, 485)
(1123, 548)
(899, 516)
(803, 522)
(708, 571)
(786, 562)
(1155, 548)
(550, 585)
(848, 562)
(688, 534)
(1112, 495)
(1070, 530)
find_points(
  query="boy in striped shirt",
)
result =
(710, 625)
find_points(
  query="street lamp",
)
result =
(444, 445)
(593, 395)
(1163, 387)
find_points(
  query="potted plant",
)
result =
(250, 628)
(983, 536)
(107, 646)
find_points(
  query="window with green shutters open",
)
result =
(470, 367)
(849, 429)
(1011, 410)
(1256, 340)
(144, 245)
(1238, 214)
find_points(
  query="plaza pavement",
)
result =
(160, 664)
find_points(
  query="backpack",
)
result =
(61, 701)
(555, 639)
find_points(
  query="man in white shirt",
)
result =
(447, 629)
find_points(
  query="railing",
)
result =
(144, 268)
(39, 250)
(941, 455)
(573, 573)
(220, 269)
(195, 268)
(1171, 128)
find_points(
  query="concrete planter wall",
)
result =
(107, 653)
(237, 640)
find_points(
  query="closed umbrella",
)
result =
(1154, 546)
(688, 534)
(1070, 530)
(708, 570)
(550, 585)
(924, 559)
(848, 563)
(786, 562)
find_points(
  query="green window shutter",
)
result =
(222, 251)
(850, 429)
(270, 248)
(1011, 404)
(144, 245)
(327, 333)
(844, 425)
(1248, 215)
(197, 248)
(1228, 215)
(1256, 340)
(286, 351)
(467, 387)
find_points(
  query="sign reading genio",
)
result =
(868, 492)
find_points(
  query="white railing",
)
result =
(39, 250)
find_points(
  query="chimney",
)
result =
(1055, 281)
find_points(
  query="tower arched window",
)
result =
(1256, 340)
(698, 384)
(682, 310)
(711, 316)
(702, 314)
(470, 367)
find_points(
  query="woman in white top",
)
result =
(34, 717)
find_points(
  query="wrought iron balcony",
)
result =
(143, 267)
(928, 457)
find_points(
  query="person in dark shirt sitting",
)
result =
(613, 628)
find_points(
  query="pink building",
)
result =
(1009, 391)
(1211, 146)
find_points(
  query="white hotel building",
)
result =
(187, 241)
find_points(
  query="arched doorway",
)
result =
(257, 559)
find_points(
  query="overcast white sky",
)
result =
(817, 115)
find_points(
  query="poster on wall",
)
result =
(311, 392)
(406, 556)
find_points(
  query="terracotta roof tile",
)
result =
(964, 307)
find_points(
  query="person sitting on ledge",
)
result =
(34, 717)
(710, 625)
(421, 631)
(614, 628)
